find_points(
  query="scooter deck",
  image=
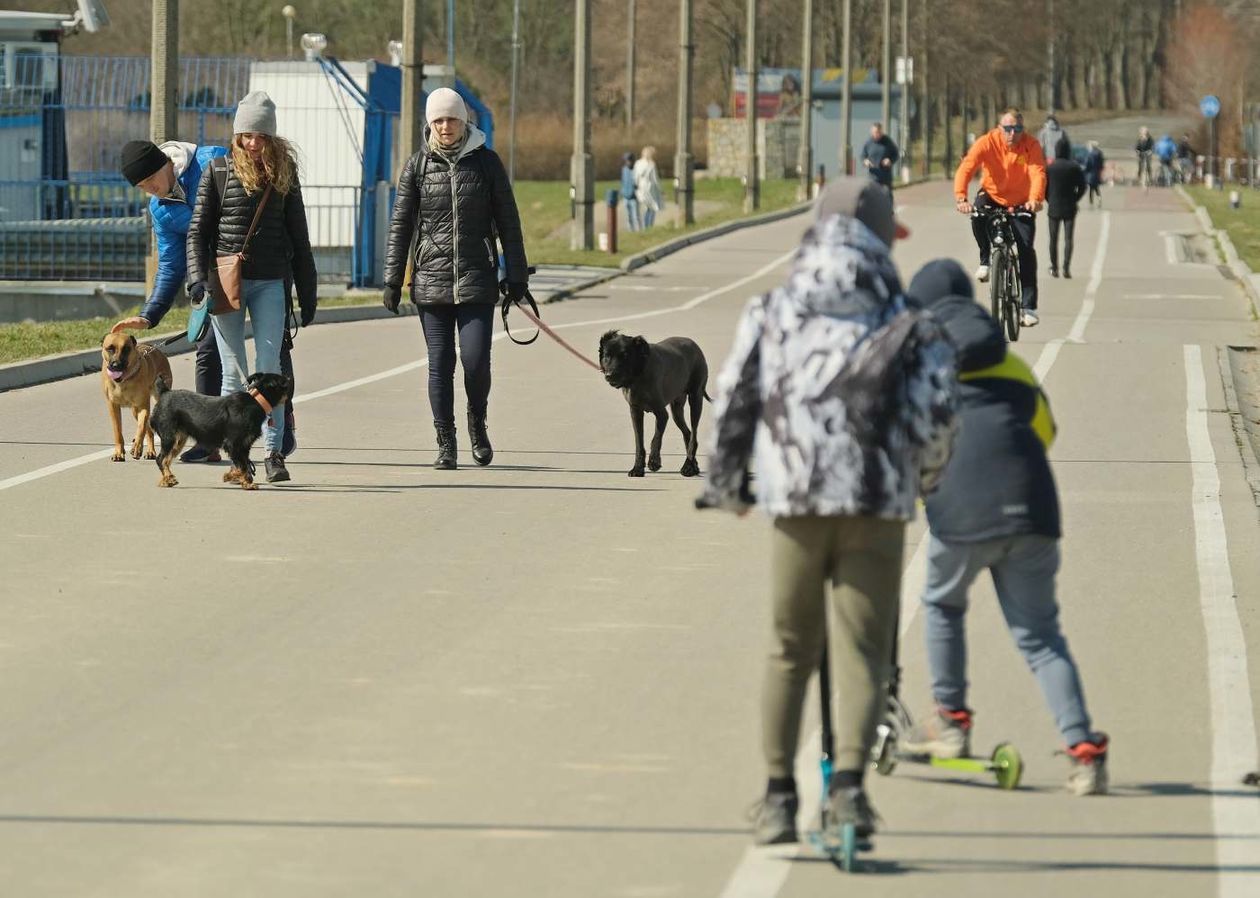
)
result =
(1005, 764)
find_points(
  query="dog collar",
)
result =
(258, 397)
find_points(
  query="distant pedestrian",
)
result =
(260, 181)
(1145, 148)
(879, 155)
(453, 198)
(647, 186)
(845, 395)
(1050, 135)
(628, 195)
(1065, 185)
(1095, 162)
(1185, 158)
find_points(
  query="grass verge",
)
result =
(33, 340)
(545, 209)
(1241, 224)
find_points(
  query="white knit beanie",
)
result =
(256, 114)
(445, 103)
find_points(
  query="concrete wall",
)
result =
(778, 144)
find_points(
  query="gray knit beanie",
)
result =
(256, 114)
(445, 103)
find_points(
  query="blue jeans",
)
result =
(649, 216)
(267, 306)
(632, 214)
(1023, 570)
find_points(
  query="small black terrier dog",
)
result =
(233, 422)
(653, 377)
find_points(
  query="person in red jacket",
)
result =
(1014, 178)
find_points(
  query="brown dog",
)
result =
(128, 374)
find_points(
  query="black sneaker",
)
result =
(849, 804)
(289, 444)
(276, 471)
(774, 819)
(199, 454)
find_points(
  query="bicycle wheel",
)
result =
(1013, 301)
(997, 281)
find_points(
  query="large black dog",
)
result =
(654, 377)
(233, 422)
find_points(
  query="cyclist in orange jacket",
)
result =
(1014, 177)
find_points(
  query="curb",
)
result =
(16, 375)
(670, 247)
(1241, 270)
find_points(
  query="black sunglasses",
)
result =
(1012, 129)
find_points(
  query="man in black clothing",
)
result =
(1065, 185)
(1145, 147)
(879, 155)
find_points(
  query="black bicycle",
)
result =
(1006, 302)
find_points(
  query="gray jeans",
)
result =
(1023, 570)
(860, 559)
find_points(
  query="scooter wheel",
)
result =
(1008, 766)
(885, 750)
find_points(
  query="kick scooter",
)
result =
(1004, 763)
(842, 853)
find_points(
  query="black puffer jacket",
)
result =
(280, 242)
(457, 208)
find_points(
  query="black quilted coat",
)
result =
(458, 208)
(280, 241)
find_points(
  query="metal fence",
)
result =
(66, 212)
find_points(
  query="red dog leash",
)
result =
(531, 312)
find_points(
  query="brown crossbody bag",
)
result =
(225, 277)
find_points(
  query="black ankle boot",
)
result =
(445, 460)
(482, 451)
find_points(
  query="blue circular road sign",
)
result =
(1210, 106)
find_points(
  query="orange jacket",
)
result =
(1012, 176)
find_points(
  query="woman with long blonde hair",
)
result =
(261, 170)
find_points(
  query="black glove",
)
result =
(513, 292)
(196, 292)
(391, 297)
(308, 314)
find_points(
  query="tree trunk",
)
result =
(1118, 58)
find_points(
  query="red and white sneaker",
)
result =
(1089, 766)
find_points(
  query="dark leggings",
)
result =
(1069, 225)
(475, 323)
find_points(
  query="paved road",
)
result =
(541, 678)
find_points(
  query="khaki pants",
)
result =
(861, 560)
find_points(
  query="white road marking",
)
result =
(49, 470)
(1235, 818)
(69, 464)
(1050, 351)
(762, 872)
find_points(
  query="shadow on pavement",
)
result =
(384, 825)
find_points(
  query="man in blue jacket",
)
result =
(996, 508)
(170, 175)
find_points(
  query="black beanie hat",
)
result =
(141, 159)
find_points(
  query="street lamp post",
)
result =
(582, 165)
(289, 14)
(516, 59)
(683, 175)
(752, 189)
(805, 159)
(846, 96)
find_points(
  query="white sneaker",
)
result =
(982, 274)
(1029, 318)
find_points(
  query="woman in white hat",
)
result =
(453, 199)
(228, 198)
